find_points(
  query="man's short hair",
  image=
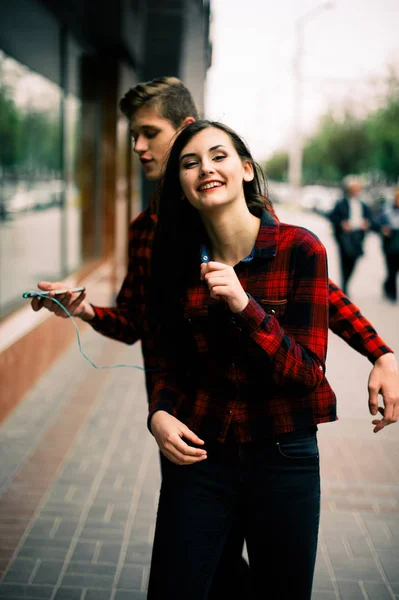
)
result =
(168, 94)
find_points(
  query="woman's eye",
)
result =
(219, 157)
(190, 165)
(152, 134)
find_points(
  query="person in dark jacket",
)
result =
(351, 219)
(389, 222)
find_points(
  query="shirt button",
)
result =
(230, 412)
(273, 312)
(320, 367)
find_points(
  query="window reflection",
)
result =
(37, 205)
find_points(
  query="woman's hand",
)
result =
(224, 285)
(74, 303)
(168, 432)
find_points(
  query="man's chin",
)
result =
(152, 175)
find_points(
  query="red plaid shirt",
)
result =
(127, 321)
(261, 371)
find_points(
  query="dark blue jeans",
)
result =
(269, 489)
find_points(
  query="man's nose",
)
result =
(140, 145)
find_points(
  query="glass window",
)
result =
(39, 208)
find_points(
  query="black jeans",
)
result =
(390, 285)
(270, 489)
(347, 264)
(231, 579)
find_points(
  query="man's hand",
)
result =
(224, 284)
(345, 225)
(74, 303)
(168, 432)
(365, 225)
(384, 379)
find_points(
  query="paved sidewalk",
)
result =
(79, 480)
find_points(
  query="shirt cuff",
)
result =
(98, 316)
(252, 316)
(161, 405)
(378, 352)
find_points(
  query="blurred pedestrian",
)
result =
(351, 219)
(242, 299)
(389, 223)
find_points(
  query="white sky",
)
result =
(250, 83)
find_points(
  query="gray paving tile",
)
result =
(109, 553)
(14, 592)
(139, 553)
(20, 571)
(130, 595)
(69, 593)
(395, 587)
(44, 544)
(350, 590)
(48, 572)
(390, 564)
(103, 534)
(54, 528)
(358, 569)
(87, 568)
(131, 577)
(377, 591)
(97, 595)
(84, 580)
(43, 552)
(321, 595)
(85, 551)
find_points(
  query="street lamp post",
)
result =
(296, 146)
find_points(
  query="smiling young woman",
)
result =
(239, 310)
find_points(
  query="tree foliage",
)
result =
(350, 144)
(337, 148)
(30, 140)
(277, 167)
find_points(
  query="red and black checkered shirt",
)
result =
(127, 321)
(261, 371)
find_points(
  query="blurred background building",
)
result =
(69, 182)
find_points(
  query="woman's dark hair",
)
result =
(179, 232)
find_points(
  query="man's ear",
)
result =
(186, 122)
(248, 171)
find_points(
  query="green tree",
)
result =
(383, 134)
(10, 130)
(276, 167)
(336, 149)
(41, 149)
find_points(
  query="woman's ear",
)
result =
(248, 171)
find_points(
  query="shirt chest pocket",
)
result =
(277, 308)
(196, 323)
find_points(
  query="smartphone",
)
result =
(39, 293)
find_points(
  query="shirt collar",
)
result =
(265, 244)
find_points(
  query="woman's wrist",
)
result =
(239, 306)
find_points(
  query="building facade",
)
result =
(69, 181)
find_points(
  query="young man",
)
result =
(157, 110)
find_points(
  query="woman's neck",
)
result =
(232, 232)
